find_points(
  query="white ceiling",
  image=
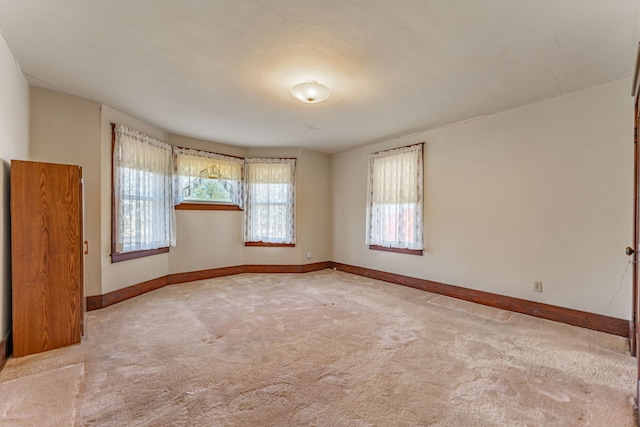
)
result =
(221, 70)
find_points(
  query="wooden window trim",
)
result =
(207, 207)
(397, 250)
(126, 256)
(210, 152)
(267, 244)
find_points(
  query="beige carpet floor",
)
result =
(319, 349)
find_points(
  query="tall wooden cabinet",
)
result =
(46, 256)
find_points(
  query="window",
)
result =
(394, 200)
(203, 177)
(142, 194)
(270, 201)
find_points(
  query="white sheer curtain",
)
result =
(144, 213)
(193, 168)
(269, 214)
(394, 198)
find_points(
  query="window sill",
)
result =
(207, 207)
(126, 256)
(275, 245)
(397, 250)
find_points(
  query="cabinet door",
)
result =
(46, 254)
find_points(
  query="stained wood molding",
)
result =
(207, 207)
(100, 301)
(271, 245)
(397, 250)
(304, 268)
(569, 316)
(97, 302)
(5, 350)
(204, 274)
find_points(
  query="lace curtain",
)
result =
(196, 170)
(269, 214)
(394, 198)
(144, 214)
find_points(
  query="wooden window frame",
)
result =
(295, 208)
(204, 205)
(271, 245)
(115, 255)
(397, 250)
(208, 206)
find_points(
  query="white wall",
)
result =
(14, 144)
(314, 207)
(66, 129)
(541, 192)
(212, 239)
(313, 210)
(122, 274)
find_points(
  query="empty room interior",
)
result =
(319, 213)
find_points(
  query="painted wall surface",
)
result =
(283, 256)
(312, 210)
(122, 274)
(542, 192)
(14, 144)
(314, 207)
(66, 129)
(213, 239)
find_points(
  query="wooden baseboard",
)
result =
(304, 268)
(97, 302)
(570, 316)
(5, 349)
(204, 274)
(632, 338)
(101, 301)
(308, 268)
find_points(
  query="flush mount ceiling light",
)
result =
(310, 91)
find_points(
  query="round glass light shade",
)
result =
(310, 91)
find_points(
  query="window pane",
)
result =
(202, 176)
(142, 192)
(270, 201)
(394, 199)
(209, 190)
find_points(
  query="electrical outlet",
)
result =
(309, 255)
(537, 286)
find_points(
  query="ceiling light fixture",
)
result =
(310, 91)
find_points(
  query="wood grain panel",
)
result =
(570, 316)
(46, 254)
